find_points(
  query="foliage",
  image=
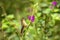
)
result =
(45, 25)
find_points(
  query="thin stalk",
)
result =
(2, 14)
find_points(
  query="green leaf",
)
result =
(56, 10)
(32, 30)
(38, 14)
(10, 16)
(13, 37)
(4, 26)
(56, 16)
(47, 11)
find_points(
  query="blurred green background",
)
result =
(46, 25)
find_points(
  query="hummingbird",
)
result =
(24, 25)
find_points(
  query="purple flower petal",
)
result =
(54, 3)
(29, 17)
(32, 18)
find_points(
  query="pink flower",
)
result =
(31, 18)
(54, 3)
